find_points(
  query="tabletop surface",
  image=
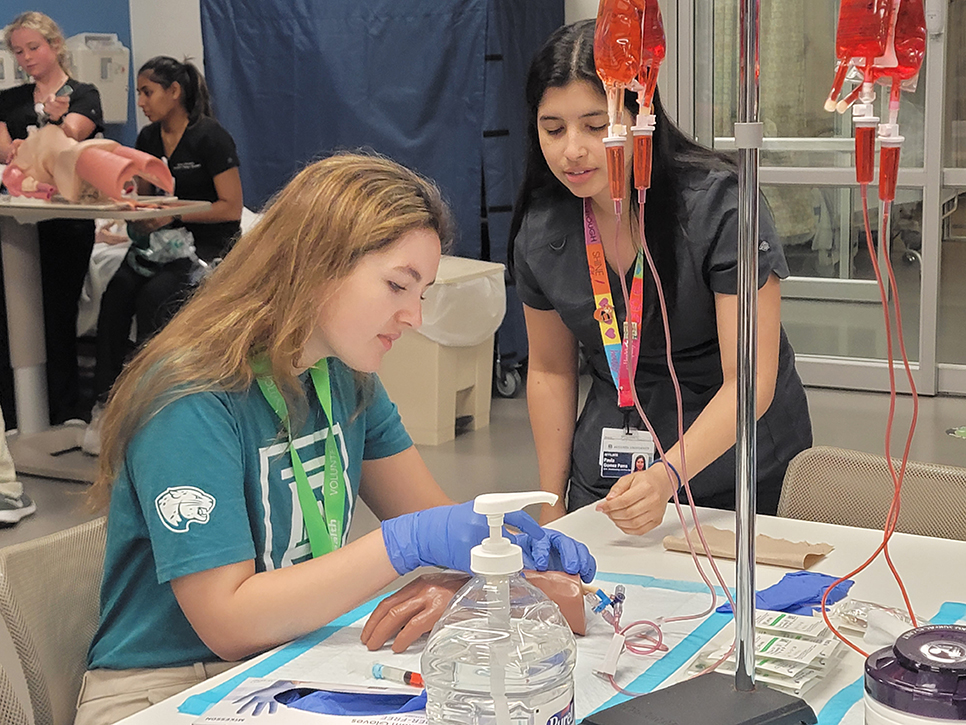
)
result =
(30, 211)
(923, 563)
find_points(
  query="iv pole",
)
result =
(715, 697)
(748, 137)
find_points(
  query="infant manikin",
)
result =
(49, 162)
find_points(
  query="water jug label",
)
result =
(565, 714)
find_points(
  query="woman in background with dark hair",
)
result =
(202, 158)
(691, 225)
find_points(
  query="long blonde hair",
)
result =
(264, 297)
(43, 24)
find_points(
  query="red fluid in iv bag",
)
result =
(642, 160)
(863, 28)
(908, 43)
(615, 170)
(617, 42)
(910, 39)
(863, 32)
(653, 50)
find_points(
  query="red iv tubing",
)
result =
(651, 53)
(908, 42)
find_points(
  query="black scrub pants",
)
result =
(65, 253)
(151, 300)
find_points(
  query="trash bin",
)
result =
(444, 370)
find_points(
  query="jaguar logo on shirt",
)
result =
(180, 506)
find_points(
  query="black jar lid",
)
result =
(923, 673)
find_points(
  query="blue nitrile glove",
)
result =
(358, 704)
(444, 536)
(798, 592)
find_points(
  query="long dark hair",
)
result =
(165, 70)
(568, 56)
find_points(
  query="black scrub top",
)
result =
(551, 274)
(205, 150)
(17, 106)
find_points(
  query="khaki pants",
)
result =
(107, 696)
(8, 476)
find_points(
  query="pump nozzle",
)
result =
(497, 555)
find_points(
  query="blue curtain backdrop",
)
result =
(294, 81)
(434, 84)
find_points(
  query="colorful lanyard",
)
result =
(621, 356)
(324, 535)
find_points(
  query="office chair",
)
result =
(840, 486)
(11, 709)
(49, 600)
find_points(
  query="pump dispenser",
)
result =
(502, 652)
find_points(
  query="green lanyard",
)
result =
(324, 535)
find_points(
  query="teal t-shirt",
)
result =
(208, 482)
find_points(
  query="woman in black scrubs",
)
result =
(65, 244)
(204, 163)
(691, 225)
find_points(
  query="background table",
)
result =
(36, 440)
(923, 562)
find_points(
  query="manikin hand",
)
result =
(637, 502)
(413, 610)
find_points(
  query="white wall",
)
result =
(169, 27)
(575, 10)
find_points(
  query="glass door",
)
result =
(952, 283)
(831, 308)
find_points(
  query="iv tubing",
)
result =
(897, 477)
(672, 474)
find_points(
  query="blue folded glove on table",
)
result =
(444, 536)
(356, 704)
(798, 592)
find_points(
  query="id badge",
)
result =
(623, 452)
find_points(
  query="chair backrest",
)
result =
(50, 601)
(851, 488)
(11, 709)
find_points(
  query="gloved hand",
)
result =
(444, 536)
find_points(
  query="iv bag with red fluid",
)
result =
(617, 42)
(909, 43)
(862, 34)
(653, 50)
(863, 28)
(617, 57)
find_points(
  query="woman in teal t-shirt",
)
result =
(236, 443)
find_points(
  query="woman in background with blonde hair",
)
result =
(53, 97)
(236, 443)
